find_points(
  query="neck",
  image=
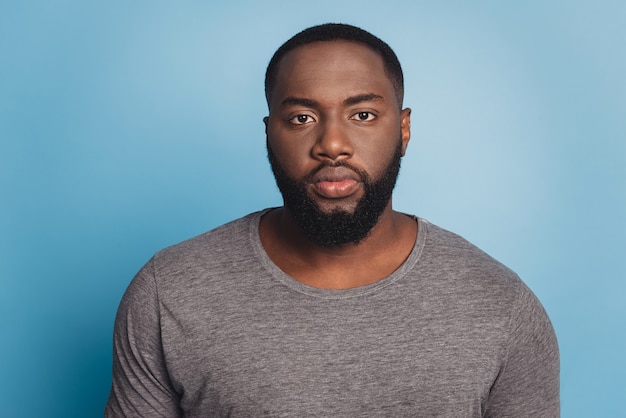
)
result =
(339, 267)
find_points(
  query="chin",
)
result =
(346, 205)
(331, 208)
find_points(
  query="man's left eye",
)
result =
(363, 116)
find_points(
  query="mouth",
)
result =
(335, 182)
(336, 189)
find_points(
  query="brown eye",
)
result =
(363, 116)
(301, 119)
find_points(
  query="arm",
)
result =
(528, 383)
(141, 385)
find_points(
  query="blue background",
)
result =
(129, 126)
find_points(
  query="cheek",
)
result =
(292, 155)
(375, 153)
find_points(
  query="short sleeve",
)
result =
(141, 386)
(528, 383)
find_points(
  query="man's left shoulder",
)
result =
(466, 267)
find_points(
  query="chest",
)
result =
(398, 357)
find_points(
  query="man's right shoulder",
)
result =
(216, 243)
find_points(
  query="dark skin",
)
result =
(333, 101)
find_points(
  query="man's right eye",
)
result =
(301, 119)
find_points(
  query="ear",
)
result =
(405, 127)
(265, 121)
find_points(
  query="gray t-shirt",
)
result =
(211, 327)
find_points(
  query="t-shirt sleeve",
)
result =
(141, 386)
(528, 384)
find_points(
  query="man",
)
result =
(334, 304)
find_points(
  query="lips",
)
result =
(335, 182)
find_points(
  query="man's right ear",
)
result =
(265, 120)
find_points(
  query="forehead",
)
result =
(339, 66)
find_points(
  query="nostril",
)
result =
(333, 143)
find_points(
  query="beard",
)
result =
(337, 227)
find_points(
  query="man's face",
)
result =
(336, 133)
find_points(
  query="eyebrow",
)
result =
(352, 100)
(360, 98)
(298, 101)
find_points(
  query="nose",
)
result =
(333, 142)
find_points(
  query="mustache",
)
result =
(363, 176)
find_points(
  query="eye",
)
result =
(301, 119)
(363, 116)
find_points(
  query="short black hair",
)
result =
(337, 32)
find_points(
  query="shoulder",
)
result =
(457, 267)
(451, 252)
(223, 241)
(482, 290)
(230, 233)
(202, 262)
(447, 243)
